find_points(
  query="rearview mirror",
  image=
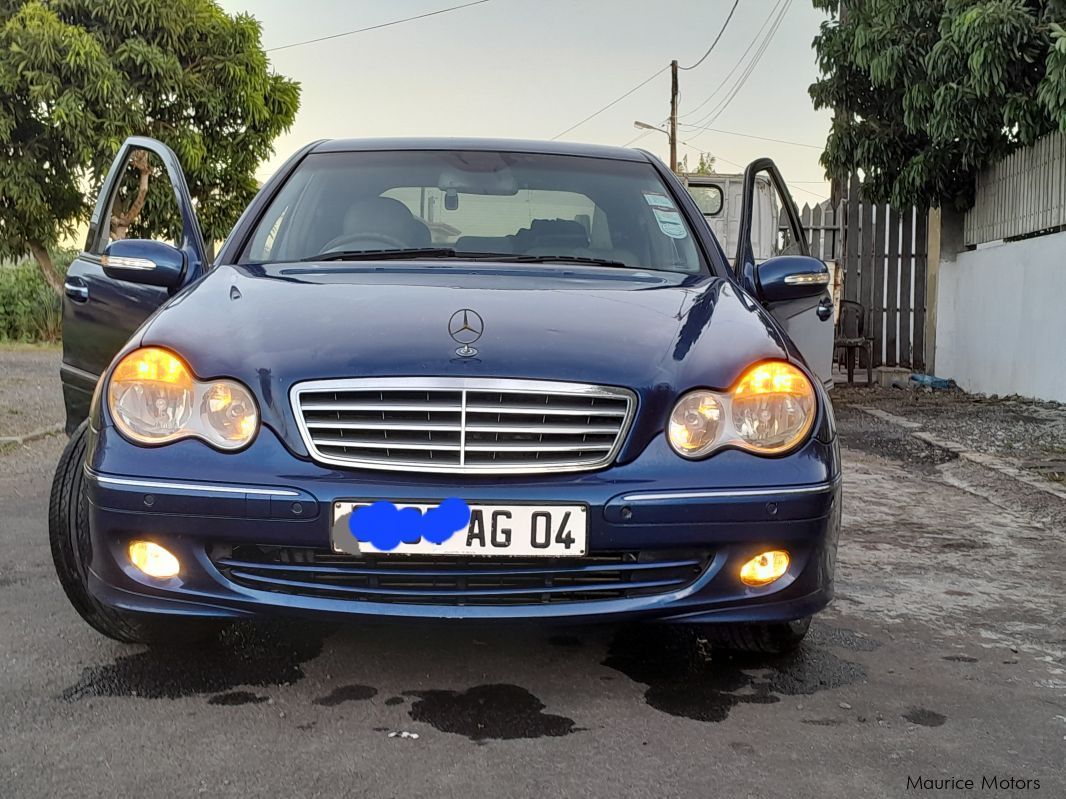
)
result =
(791, 277)
(151, 263)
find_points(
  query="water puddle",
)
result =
(687, 678)
(499, 712)
(924, 718)
(244, 655)
(346, 693)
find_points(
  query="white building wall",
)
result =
(1001, 318)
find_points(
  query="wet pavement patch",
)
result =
(500, 712)
(394, 700)
(842, 637)
(565, 640)
(244, 655)
(237, 698)
(923, 717)
(346, 693)
(688, 678)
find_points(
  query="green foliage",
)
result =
(704, 166)
(79, 76)
(29, 309)
(928, 92)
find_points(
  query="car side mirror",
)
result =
(150, 263)
(791, 277)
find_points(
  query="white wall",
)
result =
(1001, 318)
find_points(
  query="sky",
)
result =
(521, 69)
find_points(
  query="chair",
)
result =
(852, 324)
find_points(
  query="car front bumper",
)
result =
(197, 502)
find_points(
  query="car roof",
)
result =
(486, 145)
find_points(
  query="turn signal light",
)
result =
(153, 560)
(764, 568)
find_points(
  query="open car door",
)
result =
(119, 280)
(792, 286)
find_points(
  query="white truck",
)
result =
(719, 197)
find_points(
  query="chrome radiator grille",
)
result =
(462, 425)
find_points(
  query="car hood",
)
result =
(273, 326)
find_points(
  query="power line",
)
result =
(613, 102)
(637, 138)
(376, 27)
(719, 109)
(740, 61)
(653, 77)
(750, 136)
(716, 38)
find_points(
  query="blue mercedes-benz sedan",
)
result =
(445, 379)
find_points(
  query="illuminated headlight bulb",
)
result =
(228, 411)
(695, 423)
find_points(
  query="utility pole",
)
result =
(673, 116)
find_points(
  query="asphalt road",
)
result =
(942, 657)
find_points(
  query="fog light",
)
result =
(153, 560)
(764, 568)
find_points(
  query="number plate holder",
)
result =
(497, 529)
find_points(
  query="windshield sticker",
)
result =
(670, 223)
(656, 200)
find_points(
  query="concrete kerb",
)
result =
(993, 462)
(17, 441)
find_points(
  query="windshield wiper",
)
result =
(449, 252)
(547, 259)
(384, 255)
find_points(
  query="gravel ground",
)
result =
(30, 394)
(1028, 433)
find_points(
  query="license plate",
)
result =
(548, 531)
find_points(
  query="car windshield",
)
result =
(494, 206)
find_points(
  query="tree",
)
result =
(705, 166)
(79, 76)
(928, 92)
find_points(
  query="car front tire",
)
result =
(68, 533)
(770, 638)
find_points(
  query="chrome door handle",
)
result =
(76, 292)
(825, 309)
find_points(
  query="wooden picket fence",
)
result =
(823, 230)
(1021, 195)
(885, 261)
(878, 257)
(822, 223)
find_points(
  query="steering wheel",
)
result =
(347, 239)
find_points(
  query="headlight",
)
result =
(154, 399)
(769, 411)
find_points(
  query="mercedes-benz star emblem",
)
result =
(465, 327)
